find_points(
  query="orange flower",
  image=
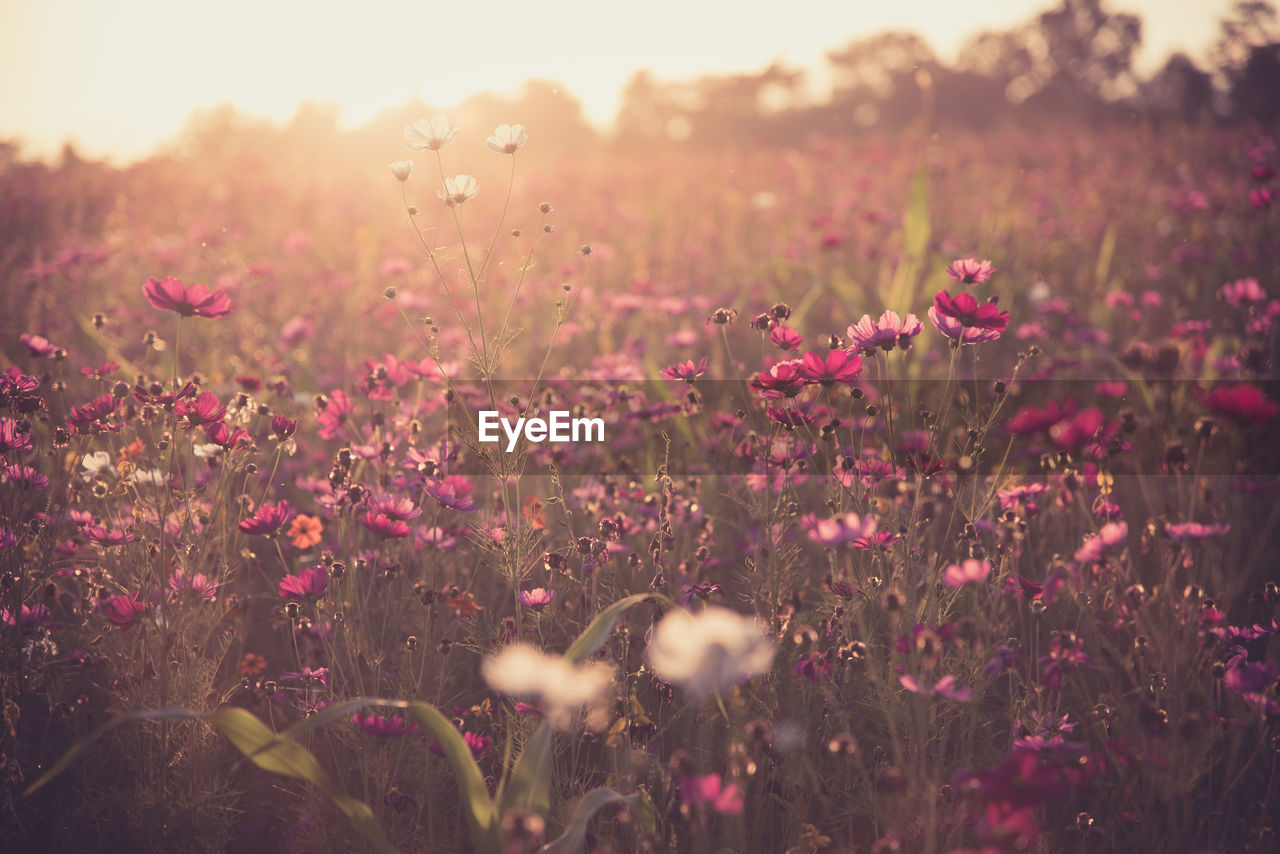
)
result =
(533, 513)
(252, 664)
(304, 531)
(462, 603)
(134, 451)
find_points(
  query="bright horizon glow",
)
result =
(118, 79)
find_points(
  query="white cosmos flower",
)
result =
(402, 169)
(562, 687)
(205, 451)
(507, 139)
(153, 477)
(457, 189)
(711, 651)
(430, 134)
(96, 463)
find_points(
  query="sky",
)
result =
(118, 77)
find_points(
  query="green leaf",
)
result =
(594, 636)
(574, 837)
(915, 243)
(529, 787)
(481, 814)
(283, 755)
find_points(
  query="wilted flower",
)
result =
(710, 651)
(561, 686)
(430, 134)
(507, 139)
(457, 190)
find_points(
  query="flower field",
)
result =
(936, 509)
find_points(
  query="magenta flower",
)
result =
(385, 526)
(970, 271)
(205, 409)
(1195, 530)
(283, 427)
(971, 571)
(889, 331)
(309, 583)
(782, 380)
(224, 437)
(537, 598)
(839, 366)
(124, 611)
(710, 791)
(841, 530)
(266, 520)
(24, 477)
(685, 370)
(478, 744)
(784, 338)
(968, 312)
(391, 726)
(83, 418)
(1244, 404)
(453, 492)
(1242, 291)
(193, 300)
(13, 439)
(957, 331)
(320, 674)
(29, 617)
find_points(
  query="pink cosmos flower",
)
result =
(385, 526)
(453, 492)
(685, 370)
(205, 409)
(394, 506)
(537, 598)
(38, 346)
(1195, 530)
(889, 331)
(971, 314)
(188, 300)
(970, 271)
(108, 536)
(971, 571)
(124, 611)
(840, 530)
(84, 418)
(1109, 536)
(711, 791)
(839, 366)
(1241, 291)
(283, 427)
(198, 586)
(309, 583)
(266, 520)
(782, 380)
(478, 744)
(957, 331)
(784, 338)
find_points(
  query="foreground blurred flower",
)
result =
(193, 300)
(457, 190)
(561, 686)
(507, 139)
(709, 652)
(970, 271)
(711, 791)
(430, 134)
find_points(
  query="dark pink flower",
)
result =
(188, 300)
(223, 436)
(782, 380)
(124, 611)
(394, 506)
(384, 525)
(29, 617)
(685, 370)
(266, 520)
(478, 744)
(391, 726)
(11, 438)
(969, 313)
(309, 583)
(970, 271)
(1244, 404)
(839, 366)
(205, 409)
(83, 418)
(784, 338)
(283, 427)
